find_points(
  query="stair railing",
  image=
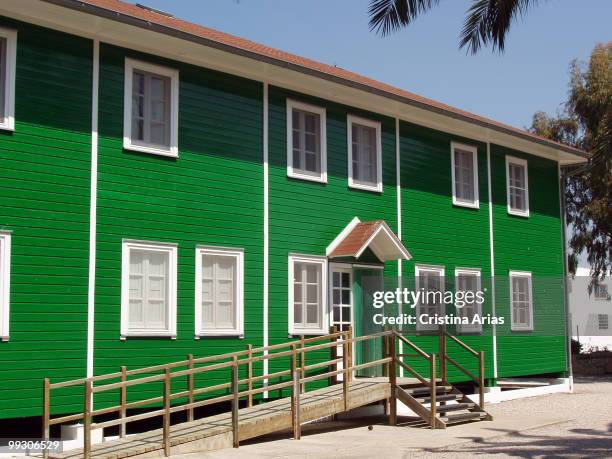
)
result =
(298, 377)
(444, 358)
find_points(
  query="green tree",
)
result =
(487, 21)
(586, 122)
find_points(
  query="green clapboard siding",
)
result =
(438, 233)
(211, 195)
(530, 244)
(44, 201)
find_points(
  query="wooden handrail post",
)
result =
(481, 376)
(122, 401)
(46, 414)
(334, 355)
(295, 405)
(87, 391)
(250, 375)
(349, 335)
(392, 380)
(302, 362)
(442, 353)
(432, 389)
(166, 427)
(385, 346)
(190, 388)
(235, 403)
(345, 373)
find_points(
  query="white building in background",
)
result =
(591, 313)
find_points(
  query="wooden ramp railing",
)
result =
(292, 379)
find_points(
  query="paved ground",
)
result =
(560, 425)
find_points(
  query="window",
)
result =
(5, 277)
(464, 160)
(365, 157)
(431, 280)
(148, 289)
(219, 291)
(150, 122)
(8, 60)
(602, 320)
(521, 301)
(306, 142)
(307, 298)
(600, 292)
(517, 181)
(468, 280)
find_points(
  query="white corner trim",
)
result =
(398, 192)
(7, 119)
(472, 149)
(342, 235)
(173, 74)
(266, 233)
(238, 255)
(524, 163)
(350, 119)
(172, 250)
(527, 275)
(5, 283)
(93, 204)
(292, 259)
(492, 255)
(321, 111)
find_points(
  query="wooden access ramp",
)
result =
(290, 396)
(215, 432)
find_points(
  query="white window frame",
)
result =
(523, 163)
(297, 258)
(514, 327)
(5, 283)
(476, 327)
(597, 292)
(417, 274)
(171, 249)
(173, 74)
(7, 119)
(321, 111)
(475, 204)
(350, 119)
(238, 256)
(601, 319)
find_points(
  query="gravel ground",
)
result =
(574, 425)
(588, 434)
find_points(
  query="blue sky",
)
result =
(531, 75)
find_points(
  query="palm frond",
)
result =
(489, 21)
(387, 16)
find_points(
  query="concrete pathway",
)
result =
(559, 425)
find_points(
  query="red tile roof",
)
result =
(355, 240)
(151, 17)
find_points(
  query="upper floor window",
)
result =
(306, 142)
(465, 175)
(365, 154)
(150, 108)
(600, 291)
(8, 60)
(431, 303)
(521, 301)
(517, 181)
(219, 291)
(467, 281)
(307, 295)
(148, 289)
(602, 321)
(5, 277)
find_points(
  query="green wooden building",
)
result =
(167, 189)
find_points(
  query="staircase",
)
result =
(292, 401)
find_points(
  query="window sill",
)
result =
(4, 339)
(131, 335)
(374, 189)
(172, 152)
(521, 329)
(469, 205)
(518, 213)
(309, 178)
(309, 332)
(7, 126)
(220, 334)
